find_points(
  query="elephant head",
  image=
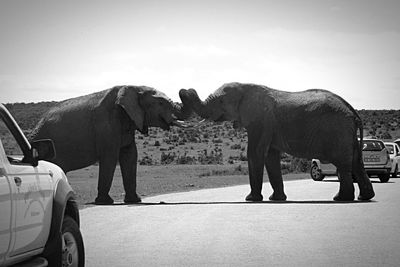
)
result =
(147, 107)
(228, 103)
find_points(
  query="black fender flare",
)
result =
(63, 201)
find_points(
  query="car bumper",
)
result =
(377, 170)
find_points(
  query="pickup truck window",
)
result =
(11, 147)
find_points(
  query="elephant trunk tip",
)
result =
(191, 99)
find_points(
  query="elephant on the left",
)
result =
(100, 127)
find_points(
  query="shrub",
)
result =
(167, 158)
(185, 159)
(386, 135)
(238, 170)
(242, 157)
(146, 160)
(236, 146)
(212, 158)
(217, 141)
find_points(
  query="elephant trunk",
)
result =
(190, 98)
(181, 111)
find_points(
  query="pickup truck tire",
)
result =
(72, 244)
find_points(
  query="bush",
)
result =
(236, 146)
(146, 160)
(290, 164)
(167, 158)
(185, 159)
(242, 157)
(238, 170)
(212, 158)
(217, 141)
(386, 135)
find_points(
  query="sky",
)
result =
(55, 50)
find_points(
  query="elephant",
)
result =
(310, 124)
(100, 127)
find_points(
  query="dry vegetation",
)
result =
(211, 155)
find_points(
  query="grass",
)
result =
(155, 180)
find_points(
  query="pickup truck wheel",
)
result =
(72, 244)
(315, 173)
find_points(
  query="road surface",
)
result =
(214, 227)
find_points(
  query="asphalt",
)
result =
(215, 227)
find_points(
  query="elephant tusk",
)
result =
(180, 124)
(202, 121)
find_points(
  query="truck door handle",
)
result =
(18, 181)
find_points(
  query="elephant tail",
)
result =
(360, 127)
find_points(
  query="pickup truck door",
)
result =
(5, 210)
(31, 189)
(33, 213)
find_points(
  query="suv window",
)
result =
(372, 145)
(390, 148)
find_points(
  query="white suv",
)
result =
(376, 162)
(39, 218)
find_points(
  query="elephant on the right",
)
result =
(308, 124)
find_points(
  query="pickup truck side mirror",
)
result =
(43, 150)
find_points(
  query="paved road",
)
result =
(216, 228)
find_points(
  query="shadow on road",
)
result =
(372, 181)
(312, 202)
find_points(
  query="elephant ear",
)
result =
(128, 99)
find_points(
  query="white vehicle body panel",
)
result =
(394, 154)
(6, 214)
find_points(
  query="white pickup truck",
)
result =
(39, 218)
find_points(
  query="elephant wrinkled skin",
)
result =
(309, 124)
(100, 127)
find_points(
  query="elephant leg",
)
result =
(346, 187)
(255, 157)
(273, 166)
(364, 184)
(107, 164)
(128, 163)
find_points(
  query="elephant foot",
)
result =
(132, 199)
(366, 192)
(344, 197)
(254, 197)
(104, 200)
(364, 196)
(278, 197)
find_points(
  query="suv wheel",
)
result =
(72, 244)
(394, 174)
(384, 178)
(315, 173)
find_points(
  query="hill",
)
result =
(211, 143)
(28, 115)
(384, 124)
